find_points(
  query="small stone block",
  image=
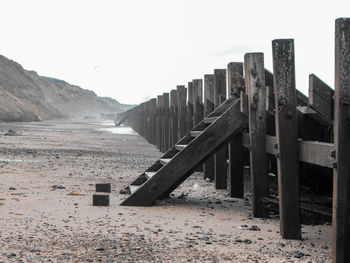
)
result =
(100, 200)
(104, 187)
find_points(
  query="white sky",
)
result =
(136, 49)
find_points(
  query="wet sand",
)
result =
(47, 180)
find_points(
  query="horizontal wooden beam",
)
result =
(317, 153)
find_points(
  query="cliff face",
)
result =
(26, 96)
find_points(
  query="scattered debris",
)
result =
(11, 133)
(124, 192)
(75, 194)
(100, 200)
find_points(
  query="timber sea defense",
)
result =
(302, 140)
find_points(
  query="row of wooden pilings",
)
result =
(279, 119)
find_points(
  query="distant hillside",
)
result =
(26, 96)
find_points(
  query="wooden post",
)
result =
(142, 109)
(236, 151)
(234, 78)
(181, 107)
(160, 121)
(208, 167)
(153, 106)
(190, 107)
(166, 122)
(341, 171)
(255, 88)
(286, 131)
(173, 107)
(140, 119)
(147, 121)
(197, 101)
(220, 157)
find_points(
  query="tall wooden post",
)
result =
(255, 88)
(174, 112)
(208, 167)
(197, 101)
(190, 107)
(139, 119)
(286, 131)
(234, 78)
(181, 106)
(166, 122)
(220, 157)
(160, 121)
(147, 121)
(236, 153)
(341, 171)
(142, 130)
(153, 106)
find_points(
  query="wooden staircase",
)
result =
(179, 162)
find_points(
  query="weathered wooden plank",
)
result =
(302, 100)
(160, 121)
(270, 96)
(190, 106)
(321, 97)
(235, 80)
(315, 116)
(182, 110)
(286, 131)
(166, 122)
(341, 178)
(142, 113)
(316, 153)
(153, 106)
(244, 103)
(235, 167)
(174, 117)
(149, 120)
(208, 94)
(197, 101)
(236, 154)
(219, 86)
(255, 88)
(270, 100)
(220, 157)
(208, 167)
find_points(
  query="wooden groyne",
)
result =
(265, 116)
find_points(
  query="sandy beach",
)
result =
(48, 175)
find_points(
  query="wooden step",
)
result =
(195, 133)
(314, 115)
(210, 120)
(177, 169)
(149, 174)
(133, 188)
(180, 147)
(164, 161)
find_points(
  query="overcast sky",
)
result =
(134, 50)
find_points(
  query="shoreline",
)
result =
(198, 224)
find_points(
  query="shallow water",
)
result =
(119, 130)
(17, 160)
